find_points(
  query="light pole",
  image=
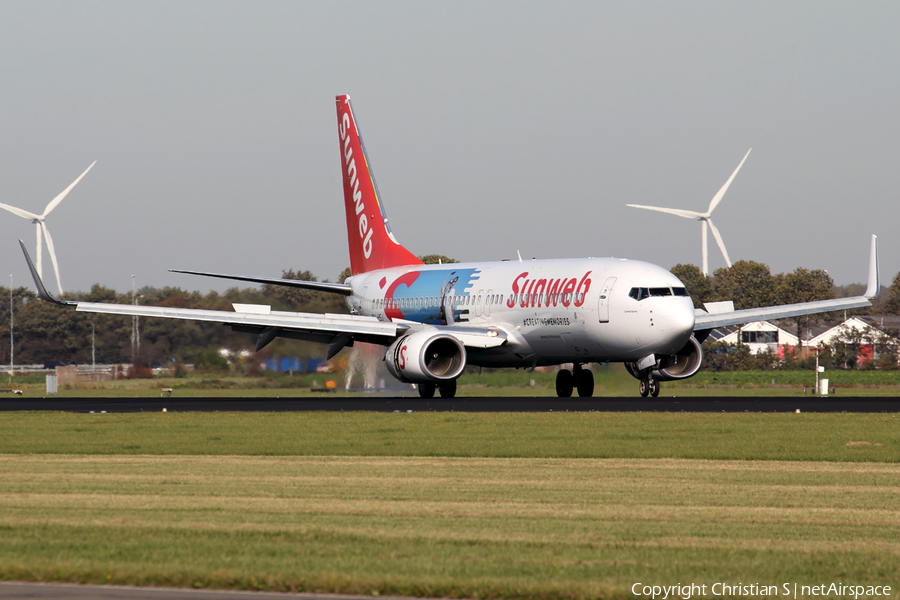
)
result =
(818, 370)
(137, 327)
(11, 353)
(133, 321)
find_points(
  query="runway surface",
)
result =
(486, 404)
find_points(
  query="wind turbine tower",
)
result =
(41, 226)
(704, 218)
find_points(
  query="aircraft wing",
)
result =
(255, 315)
(704, 320)
(336, 330)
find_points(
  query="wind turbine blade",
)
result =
(719, 241)
(19, 212)
(55, 202)
(718, 197)
(52, 255)
(687, 214)
(40, 244)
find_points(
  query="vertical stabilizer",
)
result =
(372, 246)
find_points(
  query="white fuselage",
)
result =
(552, 311)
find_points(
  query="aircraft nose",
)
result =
(680, 317)
(677, 325)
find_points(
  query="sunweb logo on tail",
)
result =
(365, 232)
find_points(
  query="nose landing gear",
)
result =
(649, 387)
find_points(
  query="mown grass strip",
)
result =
(532, 528)
(743, 436)
(610, 380)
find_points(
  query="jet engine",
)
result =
(426, 357)
(681, 365)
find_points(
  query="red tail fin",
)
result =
(372, 246)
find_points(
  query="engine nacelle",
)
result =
(681, 365)
(426, 357)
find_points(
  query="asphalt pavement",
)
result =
(484, 404)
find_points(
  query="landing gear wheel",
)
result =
(565, 383)
(584, 381)
(654, 388)
(448, 389)
(645, 388)
(426, 390)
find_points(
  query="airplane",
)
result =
(434, 320)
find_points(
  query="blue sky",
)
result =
(492, 127)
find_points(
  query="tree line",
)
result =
(44, 332)
(751, 284)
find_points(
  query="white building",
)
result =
(828, 337)
(762, 336)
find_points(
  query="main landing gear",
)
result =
(447, 389)
(578, 378)
(649, 387)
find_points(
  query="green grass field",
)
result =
(609, 381)
(543, 506)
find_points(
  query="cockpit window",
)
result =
(639, 293)
(642, 293)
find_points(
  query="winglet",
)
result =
(873, 287)
(41, 290)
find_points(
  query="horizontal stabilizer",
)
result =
(319, 286)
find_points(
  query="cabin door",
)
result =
(603, 306)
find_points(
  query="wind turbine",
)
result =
(38, 220)
(704, 218)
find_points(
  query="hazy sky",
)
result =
(492, 127)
